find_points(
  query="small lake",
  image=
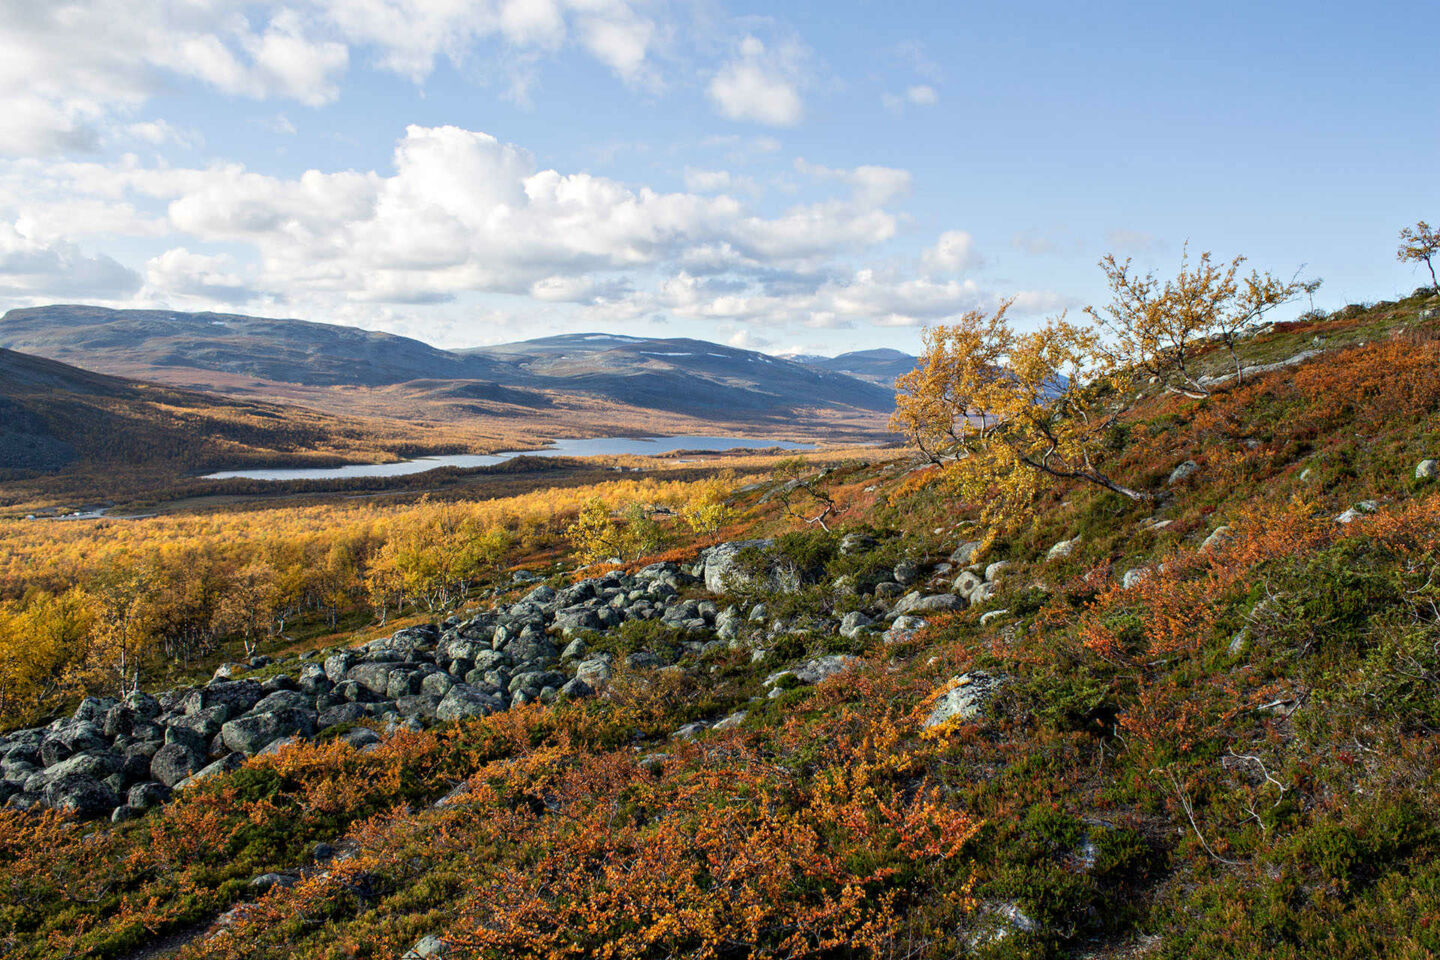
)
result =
(594, 447)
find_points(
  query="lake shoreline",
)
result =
(562, 447)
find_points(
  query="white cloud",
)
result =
(954, 252)
(30, 267)
(873, 186)
(922, 95)
(707, 181)
(179, 272)
(919, 95)
(760, 85)
(66, 67)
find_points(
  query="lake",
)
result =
(594, 447)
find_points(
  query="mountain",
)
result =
(56, 417)
(881, 366)
(689, 376)
(287, 351)
(246, 355)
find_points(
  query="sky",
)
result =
(790, 177)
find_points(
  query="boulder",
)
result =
(1220, 537)
(81, 796)
(722, 565)
(853, 624)
(1427, 470)
(964, 700)
(853, 543)
(250, 733)
(374, 677)
(1181, 472)
(143, 796)
(1062, 549)
(916, 602)
(236, 696)
(965, 554)
(903, 629)
(464, 701)
(906, 572)
(1133, 578)
(175, 761)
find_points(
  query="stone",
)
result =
(236, 696)
(998, 920)
(816, 669)
(464, 701)
(1218, 538)
(81, 796)
(340, 713)
(577, 689)
(1181, 472)
(904, 628)
(252, 732)
(853, 624)
(1361, 509)
(915, 602)
(175, 761)
(993, 571)
(731, 722)
(964, 700)
(966, 584)
(1135, 577)
(1062, 549)
(1427, 470)
(991, 616)
(723, 571)
(266, 882)
(143, 796)
(426, 947)
(595, 672)
(853, 543)
(125, 812)
(226, 764)
(906, 572)
(965, 554)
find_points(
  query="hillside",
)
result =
(880, 366)
(326, 365)
(55, 417)
(1197, 723)
(689, 376)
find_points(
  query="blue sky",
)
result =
(798, 176)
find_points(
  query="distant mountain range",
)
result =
(882, 366)
(240, 354)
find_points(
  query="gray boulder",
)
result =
(252, 732)
(965, 699)
(853, 624)
(965, 554)
(175, 761)
(916, 602)
(722, 565)
(1181, 472)
(464, 701)
(81, 796)
(1427, 470)
(236, 696)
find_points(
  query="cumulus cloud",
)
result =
(66, 67)
(180, 273)
(954, 252)
(760, 84)
(463, 211)
(30, 267)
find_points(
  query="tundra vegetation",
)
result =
(1176, 698)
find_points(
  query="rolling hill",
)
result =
(55, 417)
(248, 356)
(881, 366)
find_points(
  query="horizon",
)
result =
(809, 181)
